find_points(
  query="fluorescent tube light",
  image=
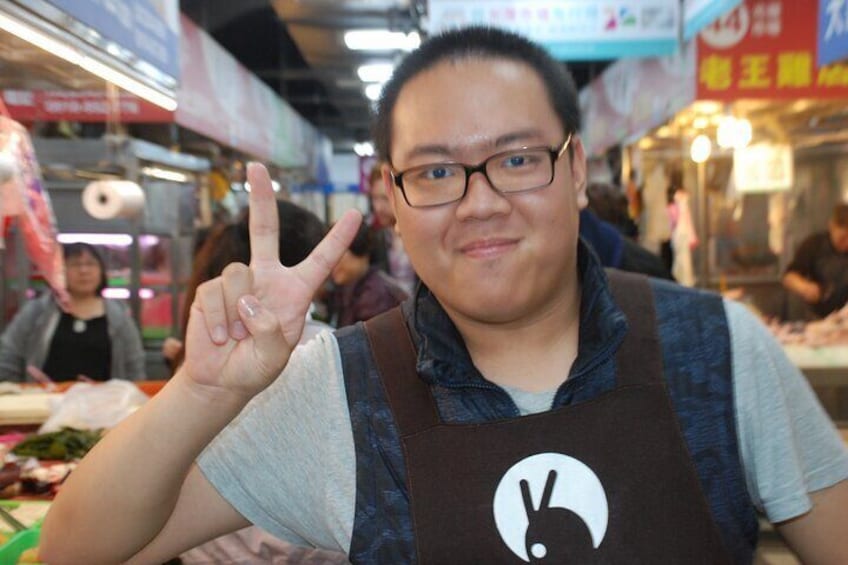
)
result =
(375, 72)
(128, 83)
(364, 149)
(75, 56)
(373, 90)
(124, 293)
(113, 239)
(381, 40)
(40, 40)
(164, 174)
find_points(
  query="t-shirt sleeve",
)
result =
(287, 462)
(788, 445)
(803, 262)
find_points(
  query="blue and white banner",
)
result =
(698, 14)
(148, 28)
(832, 32)
(572, 29)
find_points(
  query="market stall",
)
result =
(750, 118)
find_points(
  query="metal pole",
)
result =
(703, 226)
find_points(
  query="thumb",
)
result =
(269, 342)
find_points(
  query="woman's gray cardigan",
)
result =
(27, 339)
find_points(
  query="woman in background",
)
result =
(93, 338)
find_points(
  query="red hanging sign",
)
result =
(766, 49)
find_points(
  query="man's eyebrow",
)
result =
(520, 135)
(422, 150)
(440, 150)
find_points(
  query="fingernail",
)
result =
(219, 334)
(251, 305)
(238, 330)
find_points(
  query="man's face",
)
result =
(839, 237)
(487, 257)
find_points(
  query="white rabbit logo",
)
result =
(572, 508)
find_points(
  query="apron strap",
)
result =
(412, 405)
(640, 353)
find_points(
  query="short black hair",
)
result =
(78, 248)
(482, 42)
(361, 244)
(840, 215)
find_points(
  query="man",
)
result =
(618, 251)
(674, 414)
(818, 273)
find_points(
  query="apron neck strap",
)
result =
(409, 396)
(640, 354)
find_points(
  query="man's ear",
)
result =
(391, 193)
(385, 169)
(578, 171)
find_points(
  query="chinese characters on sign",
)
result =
(763, 167)
(754, 52)
(572, 29)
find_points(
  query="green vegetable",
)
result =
(65, 444)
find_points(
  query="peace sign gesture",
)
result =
(244, 324)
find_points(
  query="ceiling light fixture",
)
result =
(375, 72)
(701, 148)
(129, 84)
(275, 186)
(373, 90)
(40, 40)
(111, 239)
(76, 57)
(364, 149)
(165, 174)
(381, 40)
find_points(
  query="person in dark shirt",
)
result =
(618, 251)
(92, 337)
(818, 273)
(362, 290)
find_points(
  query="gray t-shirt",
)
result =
(287, 462)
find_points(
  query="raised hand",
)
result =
(245, 323)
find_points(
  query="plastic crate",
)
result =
(11, 551)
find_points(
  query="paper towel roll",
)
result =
(109, 199)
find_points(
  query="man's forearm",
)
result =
(798, 284)
(125, 490)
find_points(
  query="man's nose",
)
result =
(481, 198)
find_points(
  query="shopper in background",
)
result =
(362, 290)
(387, 250)
(94, 338)
(662, 417)
(609, 204)
(818, 272)
(617, 251)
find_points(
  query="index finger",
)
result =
(264, 223)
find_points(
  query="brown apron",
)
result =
(605, 481)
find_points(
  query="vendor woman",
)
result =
(92, 338)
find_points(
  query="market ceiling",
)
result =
(298, 49)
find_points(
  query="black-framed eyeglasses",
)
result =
(516, 170)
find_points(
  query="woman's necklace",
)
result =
(79, 325)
